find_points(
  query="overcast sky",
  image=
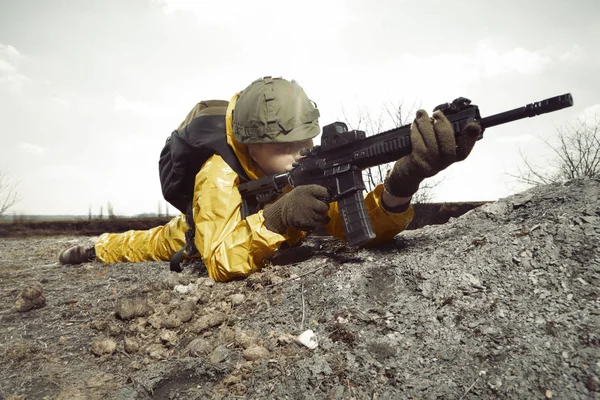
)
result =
(89, 90)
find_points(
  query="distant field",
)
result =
(82, 227)
(425, 214)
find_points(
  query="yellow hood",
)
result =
(241, 150)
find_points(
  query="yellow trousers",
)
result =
(156, 244)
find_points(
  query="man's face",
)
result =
(277, 158)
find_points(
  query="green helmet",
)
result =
(274, 110)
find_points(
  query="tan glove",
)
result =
(434, 148)
(304, 208)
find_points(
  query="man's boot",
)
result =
(77, 255)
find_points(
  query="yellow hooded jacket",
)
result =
(230, 246)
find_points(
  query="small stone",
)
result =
(570, 296)
(31, 297)
(522, 200)
(131, 308)
(474, 281)
(184, 315)
(565, 354)
(113, 329)
(495, 383)
(104, 346)
(473, 324)
(163, 297)
(139, 325)
(63, 340)
(226, 335)
(255, 353)
(233, 379)
(244, 340)
(286, 338)
(548, 394)
(155, 320)
(237, 299)
(185, 289)
(157, 352)
(173, 279)
(131, 345)
(169, 338)
(208, 321)
(199, 347)
(219, 355)
(592, 383)
(98, 324)
(135, 365)
(170, 321)
(32, 292)
(187, 305)
(590, 219)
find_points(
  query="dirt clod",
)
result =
(157, 351)
(199, 347)
(255, 353)
(31, 297)
(219, 355)
(131, 308)
(237, 299)
(244, 339)
(130, 345)
(104, 346)
(208, 321)
(168, 338)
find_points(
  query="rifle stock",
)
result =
(337, 163)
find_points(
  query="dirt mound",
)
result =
(502, 302)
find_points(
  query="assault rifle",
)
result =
(338, 162)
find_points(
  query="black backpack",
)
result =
(199, 137)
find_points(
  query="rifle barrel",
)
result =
(530, 110)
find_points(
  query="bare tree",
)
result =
(8, 193)
(101, 213)
(159, 210)
(577, 155)
(392, 115)
(426, 191)
(90, 213)
(110, 210)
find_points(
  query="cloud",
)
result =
(442, 75)
(9, 57)
(61, 101)
(591, 112)
(66, 171)
(573, 55)
(6, 67)
(483, 62)
(10, 76)
(492, 62)
(122, 104)
(30, 148)
(206, 10)
(514, 139)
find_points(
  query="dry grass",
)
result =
(77, 227)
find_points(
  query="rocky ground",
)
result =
(502, 302)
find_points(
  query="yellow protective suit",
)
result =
(230, 246)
